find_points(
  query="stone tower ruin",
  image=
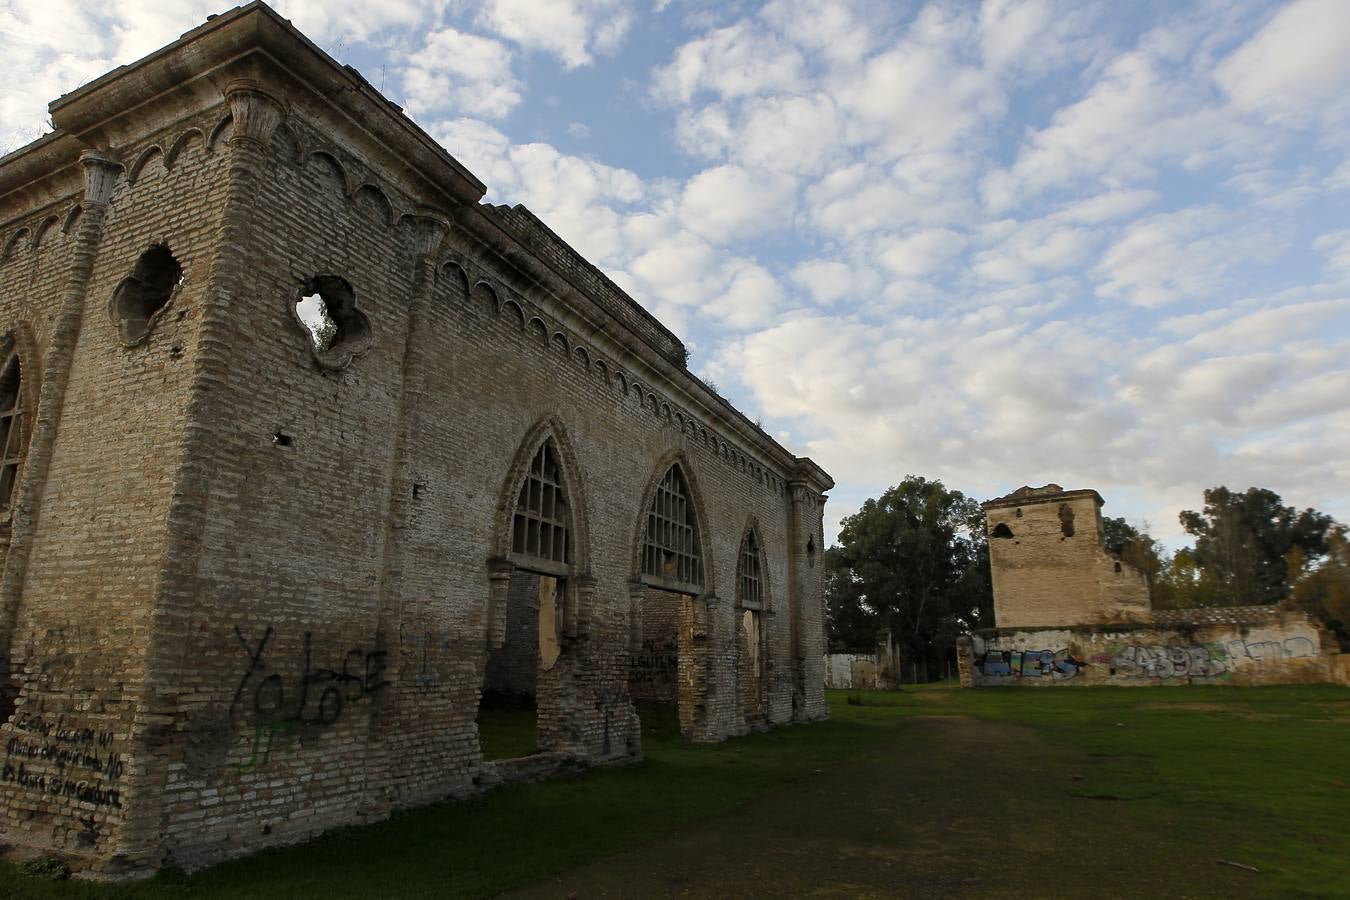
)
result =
(258, 571)
(1049, 564)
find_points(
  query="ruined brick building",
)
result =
(1049, 564)
(257, 572)
(1069, 612)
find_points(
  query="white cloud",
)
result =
(1297, 67)
(829, 281)
(1336, 246)
(1028, 250)
(728, 203)
(455, 72)
(919, 253)
(1185, 255)
(568, 29)
(731, 62)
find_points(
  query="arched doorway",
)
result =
(533, 606)
(668, 677)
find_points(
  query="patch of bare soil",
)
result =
(953, 807)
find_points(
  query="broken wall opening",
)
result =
(667, 680)
(509, 707)
(751, 665)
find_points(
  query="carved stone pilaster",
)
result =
(499, 585)
(101, 172)
(256, 112)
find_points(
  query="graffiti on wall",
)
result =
(283, 708)
(1202, 660)
(1289, 648)
(54, 755)
(1174, 661)
(1058, 664)
(658, 661)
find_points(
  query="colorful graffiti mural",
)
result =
(1029, 664)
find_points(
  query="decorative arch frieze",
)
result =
(148, 155)
(220, 133)
(180, 145)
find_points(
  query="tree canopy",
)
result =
(1243, 541)
(914, 560)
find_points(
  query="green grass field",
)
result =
(1261, 774)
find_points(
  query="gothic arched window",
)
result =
(11, 432)
(670, 551)
(750, 592)
(539, 530)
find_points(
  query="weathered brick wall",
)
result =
(1281, 647)
(89, 584)
(1044, 575)
(264, 581)
(844, 671)
(656, 665)
(513, 670)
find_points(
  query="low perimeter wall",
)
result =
(1246, 645)
(851, 671)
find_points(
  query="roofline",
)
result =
(1031, 499)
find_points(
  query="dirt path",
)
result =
(952, 807)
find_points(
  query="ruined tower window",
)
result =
(751, 590)
(670, 547)
(144, 292)
(337, 330)
(539, 529)
(1066, 519)
(1001, 530)
(11, 433)
(811, 551)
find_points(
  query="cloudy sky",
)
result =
(1098, 243)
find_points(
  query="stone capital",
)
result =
(426, 232)
(101, 171)
(256, 112)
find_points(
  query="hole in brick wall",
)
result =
(144, 293)
(281, 439)
(326, 308)
(811, 551)
(1001, 530)
(1117, 567)
(1066, 519)
(314, 315)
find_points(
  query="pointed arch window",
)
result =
(540, 530)
(11, 432)
(670, 549)
(750, 593)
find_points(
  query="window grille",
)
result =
(539, 531)
(751, 594)
(670, 548)
(11, 432)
